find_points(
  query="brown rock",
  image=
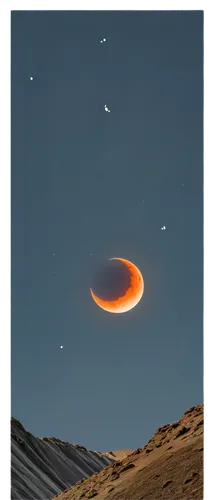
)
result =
(188, 480)
(92, 494)
(190, 410)
(114, 477)
(174, 425)
(109, 488)
(166, 483)
(163, 428)
(136, 452)
(182, 431)
(200, 423)
(126, 467)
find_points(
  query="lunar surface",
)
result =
(121, 286)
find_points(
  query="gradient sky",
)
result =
(79, 179)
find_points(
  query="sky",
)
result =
(88, 185)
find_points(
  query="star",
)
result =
(163, 228)
(31, 78)
(61, 347)
(107, 109)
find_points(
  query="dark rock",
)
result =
(190, 410)
(182, 431)
(136, 452)
(148, 450)
(81, 481)
(92, 494)
(166, 483)
(163, 428)
(188, 480)
(176, 424)
(80, 447)
(126, 467)
(114, 476)
(17, 438)
(201, 422)
(17, 423)
(109, 488)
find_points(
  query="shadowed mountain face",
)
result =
(43, 467)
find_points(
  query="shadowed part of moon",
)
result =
(112, 281)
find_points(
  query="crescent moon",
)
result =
(132, 295)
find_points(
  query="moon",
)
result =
(130, 297)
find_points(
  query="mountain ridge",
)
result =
(168, 467)
(44, 466)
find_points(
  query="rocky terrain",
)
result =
(117, 454)
(168, 467)
(43, 467)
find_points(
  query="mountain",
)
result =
(43, 467)
(117, 454)
(168, 467)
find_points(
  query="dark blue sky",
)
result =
(79, 176)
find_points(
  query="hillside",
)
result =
(43, 467)
(168, 467)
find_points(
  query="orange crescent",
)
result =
(132, 295)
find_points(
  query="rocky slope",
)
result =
(169, 467)
(117, 454)
(43, 467)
